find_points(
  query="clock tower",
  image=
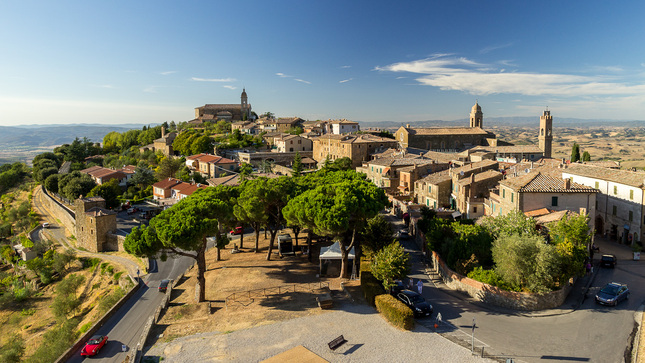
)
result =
(545, 137)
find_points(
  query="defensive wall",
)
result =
(66, 216)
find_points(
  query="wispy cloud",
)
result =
(229, 87)
(167, 73)
(401, 77)
(301, 80)
(213, 79)
(345, 67)
(462, 74)
(345, 80)
(282, 75)
(494, 47)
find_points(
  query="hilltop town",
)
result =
(511, 226)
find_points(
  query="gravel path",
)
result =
(370, 339)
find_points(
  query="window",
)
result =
(615, 189)
(512, 194)
(554, 201)
(631, 216)
(474, 209)
(631, 195)
(429, 188)
(435, 205)
(504, 193)
(613, 212)
(597, 185)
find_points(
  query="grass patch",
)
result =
(108, 301)
(28, 312)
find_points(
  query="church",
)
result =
(228, 112)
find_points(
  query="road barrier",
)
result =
(271, 291)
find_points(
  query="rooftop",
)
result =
(625, 177)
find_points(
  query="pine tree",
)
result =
(297, 165)
(575, 152)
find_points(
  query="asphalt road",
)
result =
(591, 333)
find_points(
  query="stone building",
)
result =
(228, 112)
(164, 143)
(358, 148)
(398, 172)
(473, 191)
(292, 143)
(434, 190)
(95, 225)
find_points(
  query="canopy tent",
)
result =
(330, 254)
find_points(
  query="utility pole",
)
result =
(472, 340)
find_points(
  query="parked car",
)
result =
(608, 261)
(419, 306)
(237, 230)
(612, 294)
(163, 285)
(46, 225)
(94, 345)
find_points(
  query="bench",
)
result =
(334, 344)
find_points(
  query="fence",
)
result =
(271, 291)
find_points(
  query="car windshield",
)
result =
(607, 258)
(417, 299)
(610, 289)
(95, 340)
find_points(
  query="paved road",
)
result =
(590, 333)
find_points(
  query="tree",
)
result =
(143, 177)
(13, 350)
(168, 167)
(183, 229)
(248, 209)
(515, 222)
(586, 156)
(390, 264)
(51, 183)
(75, 184)
(297, 165)
(202, 144)
(344, 163)
(575, 152)
(341, 209)
(268, 115)
(266, 166)
(245, 170)
(376, 235)
(571, 236)
(66, 301)
(109, 191)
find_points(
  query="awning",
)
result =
(333, 252)
(456, 214)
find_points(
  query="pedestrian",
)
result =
(420, 286)
(410, 284)
(588, 268)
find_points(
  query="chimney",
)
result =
(163, 131)
(472, 178)
(567, 183)
(407, 126)
(531, 165)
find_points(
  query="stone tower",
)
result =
(545, 137)
(476, 116)
(93, 223)
(245, 104)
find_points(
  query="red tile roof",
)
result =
(166, 183)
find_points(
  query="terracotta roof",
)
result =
(475, 165)
(363, 138)
(632, 178)
(537, 182)
(209, 158)
(91, 169)
(551, 217)
(217, 106)
(512, 149)
(191, 188)
(107, 172)
(226, 180)
(488, 174)
(438, 177)
(401, 160)
(446, 131)
(537, 212)
(180, 186)
(166, 183)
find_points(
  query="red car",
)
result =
(237, 230)
(93, 345)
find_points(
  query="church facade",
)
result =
(228, 112)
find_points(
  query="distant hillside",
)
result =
(516, 121)
(22, 143)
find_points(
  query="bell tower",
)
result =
(476, 116)
(545, 137)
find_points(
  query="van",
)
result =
(285, 246)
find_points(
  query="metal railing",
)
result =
(250, 295)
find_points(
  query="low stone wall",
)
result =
(496, 296)
(81, 341)
(60, 212)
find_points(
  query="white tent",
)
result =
(332, 253)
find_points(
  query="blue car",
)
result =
(612, 294)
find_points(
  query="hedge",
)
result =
(369, 284)
(394, 311)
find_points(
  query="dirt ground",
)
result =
(229, 306)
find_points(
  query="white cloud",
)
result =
(167, 73)
(229, 87)
(301, 80)
(213, 79)
(494, 47)
(345, 80)
(462, 74)
(282, 75)
(345, 67)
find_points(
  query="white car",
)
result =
(45, 225)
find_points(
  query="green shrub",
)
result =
(492, 278)
(55, 342)
(117, 275)
(109, 301)
(369, 284)
(28, 312)
(91, 262)
(13, 350)
(85, 327)
(395, 312)
(110, 270)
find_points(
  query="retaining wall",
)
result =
(496, 296)
(60, 212)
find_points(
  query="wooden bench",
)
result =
(334, 344)
(325, 301)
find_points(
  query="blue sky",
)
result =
(154, 61)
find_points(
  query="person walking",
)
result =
(420, 287)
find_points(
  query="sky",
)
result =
(120, 62)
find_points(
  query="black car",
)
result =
(163, 285)
(612, 294)
(420, 307)
(608, 261)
